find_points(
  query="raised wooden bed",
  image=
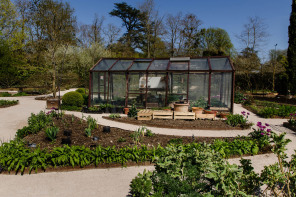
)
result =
(184, 115)
(145, 114)
(162, 114)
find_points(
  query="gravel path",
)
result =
(102, 182)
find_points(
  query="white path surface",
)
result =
(101, 182)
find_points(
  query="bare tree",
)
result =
(254, 34)
(95, 31)
(111, 33)
(190, 33)
(174, 37)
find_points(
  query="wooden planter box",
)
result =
(162, 114)
(205, 116)
(184, 115)
(52, 103)
(145, 114)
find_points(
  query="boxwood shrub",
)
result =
(73, 99)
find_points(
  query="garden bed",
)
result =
(117, 137)
(178, 124)
(8, 103)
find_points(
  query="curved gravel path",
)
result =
(103, 182)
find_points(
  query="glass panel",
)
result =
(105, 64)
(122, 65)
(159, 65)
(117, 89)
(179, 66)
(199, 64)
(176, 97)
(98, 98)
(95, 82)
(156, 90)
(140, 66)
(220, 64)
(198, 89)
(178, 83)
(136, 99)
(137, 83)
(221, 86)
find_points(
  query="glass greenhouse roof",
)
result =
(173, 64)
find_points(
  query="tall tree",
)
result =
(254, 34)
(215, 41)
(291, 70)
(132, 20)
(174, 35)
(55, 27)
(111, 33)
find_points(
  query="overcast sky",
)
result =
(230, 15)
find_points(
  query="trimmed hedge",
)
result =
(73, 99)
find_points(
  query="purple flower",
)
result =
(248, 113)
(264, 127)
(261, 129)
(291, 114)
(262, 133)
(259, 124)
(268, 130)
(267, 125)
(268, 133)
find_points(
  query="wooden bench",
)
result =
(145, 114)
(162, 114)
(205, 116)
(184, 115)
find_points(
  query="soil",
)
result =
(78, 137)
(179, 124)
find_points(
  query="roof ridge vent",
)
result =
(180, 59)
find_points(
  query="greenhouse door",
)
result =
(156, 90)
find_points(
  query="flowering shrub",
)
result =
(262, 134)
(238, 120)
(292, 120)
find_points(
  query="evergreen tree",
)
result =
(291, 70)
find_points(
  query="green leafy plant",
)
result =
(87, 132)
(201, 102)
(141, 186)
(262, 134)
(92, 123)
(176, 141)
(113, 116)
(238, 120)
(239, 97)
(132, 112)
(138, 134)
(93, 109)
(7, 103)
(149, 133)
(292, 120)
(36, 122)
(121, 139)
(51, 133)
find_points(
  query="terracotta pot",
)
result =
(197, 110)
(211, 112)
(223, 115)
(126, 110)
(180, 107)
(167, 109)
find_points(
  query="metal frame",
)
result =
(167, 71)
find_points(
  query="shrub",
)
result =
(113, 116)
(268, 112)
(84, 94)
(5, 94)
(262, 134)
(239, 97)
(292, 120)
(237, 119)
(141, 186)
(70, 108)
(132, 112)
(73, 99)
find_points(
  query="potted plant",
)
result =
(224, 114)
(208, 111)
(198, 105)
(126, 110)
(167, 108)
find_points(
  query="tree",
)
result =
(174, 36)
(111, 33)
(254, 34)
(55, 27)
(215, 41)
(291, 70)
(190, 32)
(132, 20)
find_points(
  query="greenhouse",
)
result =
(154, 83)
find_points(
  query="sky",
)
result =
(230, 15)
